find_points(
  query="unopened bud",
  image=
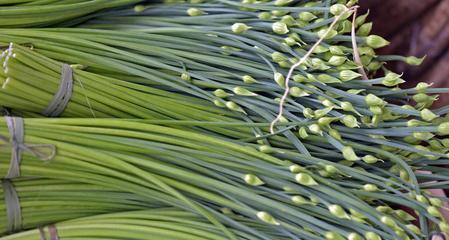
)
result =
(375, 41)
(266, 217)
(305, 179)
(253, 180)
(240, 28)
(280, 28)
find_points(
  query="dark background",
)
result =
(415, 27)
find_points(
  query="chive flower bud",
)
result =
(219, 103)
(266, 217)
(337, 50)
(303, 133)
(443, 128)
(280, 28)
(388, 221)
(288, 20)
(299, 200)
(331, 169)
(370, 187)
(422, 199)
(264, 16)
(194, 12)
(370, 159)
(354, 236)
(139, 8)
(444, 227)
(414, 60)
(350, 121)
(384, 209)
(422, 87)
(298, 92)
(253, 180)
(375, 41)
(326, 34)
(308, 113)
(295, 168)
(306, 16)
(282, 2)
(376, 110)
(239, 28)
(428, 115)
(348, 75)
(334, 133)
(413, 228)
(221, 93)
(436, 202)
(373, 100)
(432, 210)
(338, 211)
(424, 136)
(372, 236)
(278, 57)
(234, 107)
(347, 106)
(322, 112)
(279, 79)
(337, 60)
(403, 215)
(248, 79)
(186, 77)
(241, 91)
(392, 79)
(266, 149)
(290, 41)
(349, 153)
(365, 29)
(333, 236)
(315, 200)
(315, 129)
(325, 121)
(305, 179)
(338, 9)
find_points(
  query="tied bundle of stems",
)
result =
(45, 201)
(204, 175)
(40, 13)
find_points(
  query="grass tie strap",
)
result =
(12, 203)
(16, 132)
(62, 97)
(51, 230)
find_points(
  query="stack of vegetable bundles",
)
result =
(220, 119)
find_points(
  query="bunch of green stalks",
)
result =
(214, 177)
(159, 223)
(40, 13)
(45, 201)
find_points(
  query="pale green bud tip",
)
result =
(414, 60)
(234, 107)
(300, 200)
(221, 93)
(436, 202)
(370, 159)
(432, 210)
(428, 115)
(279, 79)
(266, 149)
(350, 121)
(253, 180)
(349, 154)
(370, 187)
(248, 79)
(243, 91)
(331, 169)
(347, 75)
(219, 103)
(280, 28)
(444, 227)
(354, 236)
(306, 16)
(305, 179)
(373, 100)
(282, 2)
(414, 229)
(337, 60)
(264, 15)
(333, 236)
(193, 12)
(315, 129)
(338, 9)
(392, 79)
(327, 34)
(186, 77)
(388, 221)
(239, 28)
(372, 236)
(295, 168)
(338, 211)
(266, 217)
(443, 128)
(139, 8)
(375, 41)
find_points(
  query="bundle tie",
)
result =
(51, 230)
(12, 204)
(16, 132)
(62, 97)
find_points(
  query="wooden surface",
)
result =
(415, 27)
